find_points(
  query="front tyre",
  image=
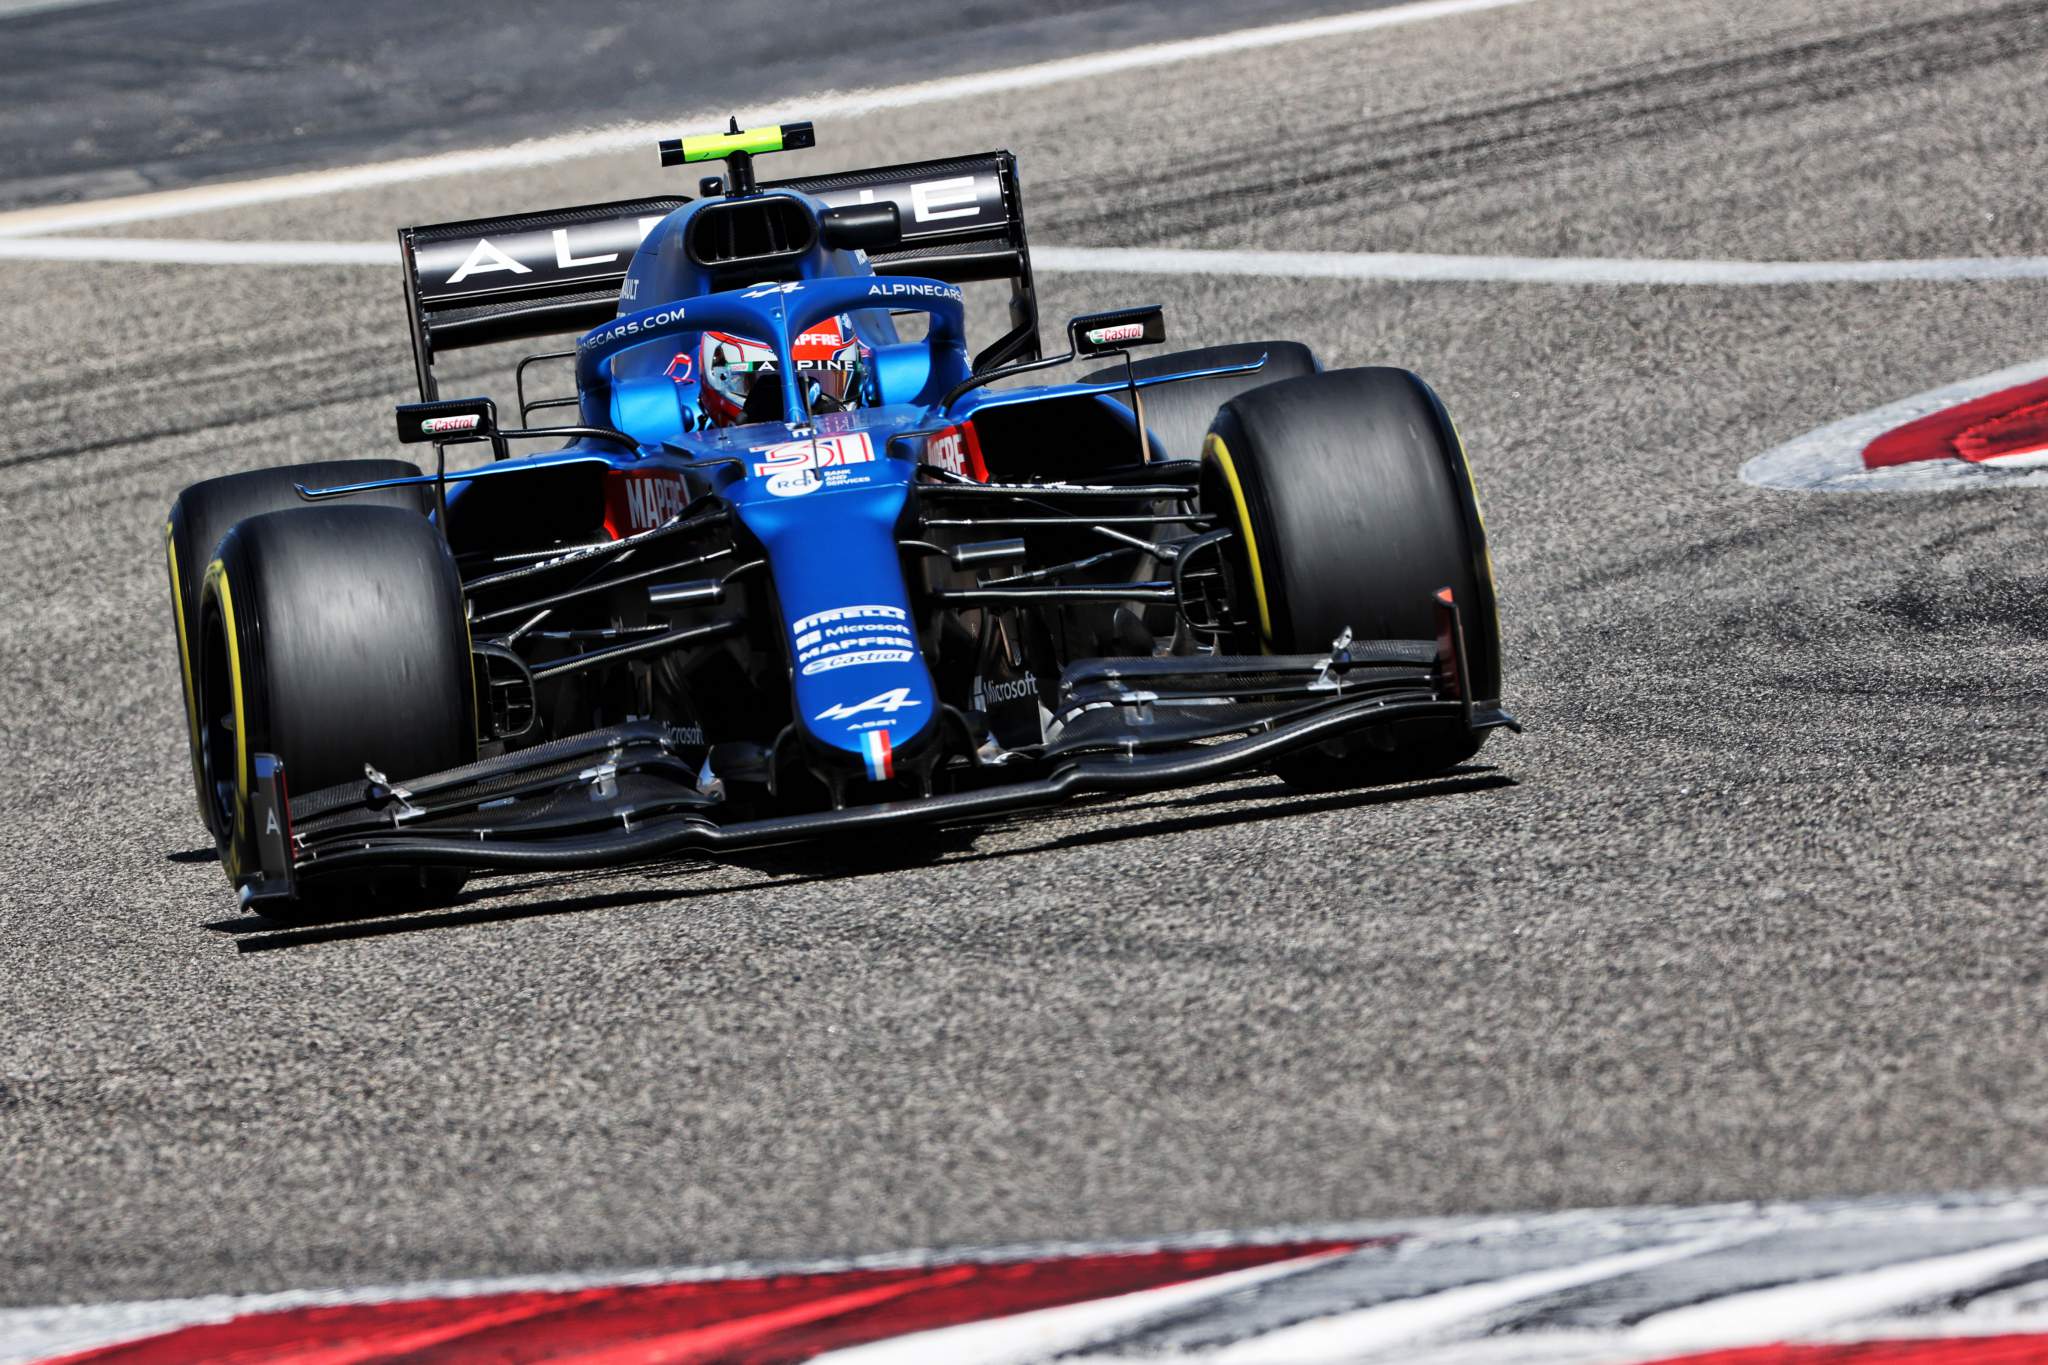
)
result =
(205, 511)
(332, 637)
(1353, 505)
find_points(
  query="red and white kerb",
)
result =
(1987, 432)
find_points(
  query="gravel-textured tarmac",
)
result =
(1755, 908)
(111, 97)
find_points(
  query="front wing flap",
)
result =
(627, 794)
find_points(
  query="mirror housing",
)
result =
(447, 419)
(1088, 336)
(1099, 334)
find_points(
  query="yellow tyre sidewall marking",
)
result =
(217, 583)
(1216, 450)
(184, 655)
(1485, 541)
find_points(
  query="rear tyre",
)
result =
(1353, 505)
(332, 637)
(1178, 415)
(203, 514)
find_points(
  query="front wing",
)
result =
(627, 794)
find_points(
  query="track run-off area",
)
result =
(1743, 941)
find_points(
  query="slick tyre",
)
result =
(203, 514)
(1179, 415)
(331, 637)
(1353, 506)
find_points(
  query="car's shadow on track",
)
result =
(486, 905)
(799, 864)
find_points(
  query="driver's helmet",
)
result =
(739, 378)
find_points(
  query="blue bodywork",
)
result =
(823, 495)
(626, 709)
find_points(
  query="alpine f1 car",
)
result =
(802, 564)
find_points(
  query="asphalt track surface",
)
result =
(115, 97)
(1754, 910)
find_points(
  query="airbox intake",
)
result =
(758, 230)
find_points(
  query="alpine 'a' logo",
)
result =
(892, 701)
(486, 259)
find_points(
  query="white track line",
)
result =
(1372, 265)
(171, 251)
(1047, 1332)
(1792, 1310)
(1399, 1324)
(843, 104)
(1402, 265)
(10, 9)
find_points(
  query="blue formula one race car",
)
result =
(804, 565)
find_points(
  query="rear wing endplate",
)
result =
(529, 275)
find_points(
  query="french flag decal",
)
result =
(881, 759)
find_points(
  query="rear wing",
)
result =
(530, 275)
